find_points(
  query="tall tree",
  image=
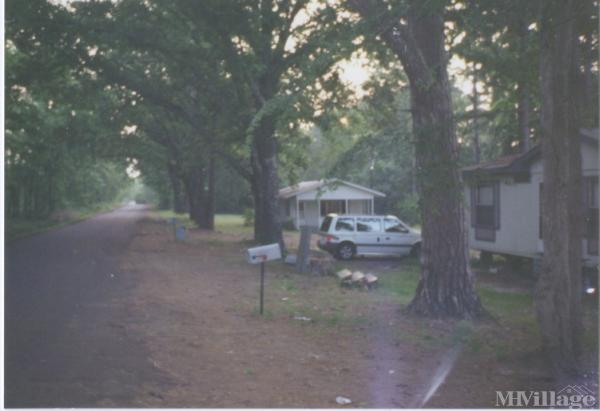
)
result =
(280, 55)
(558, 292)
(414, 31)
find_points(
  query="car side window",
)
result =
(393, 225)
(368, 224)
(344, 224)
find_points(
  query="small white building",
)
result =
(504, 208)
(308, 202)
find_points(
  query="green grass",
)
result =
(232, 224)
(182, 218)
(225, 223)
(402, 284)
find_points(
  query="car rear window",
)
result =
(344, 224)
(326, 224)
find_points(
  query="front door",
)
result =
(368, 235)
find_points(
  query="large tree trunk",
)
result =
(523, 115)
(194, 181)
(178, 195)
(208, 206)
(523, 99)
(475, 101)
(446, 285)
(558, 292)
(266, 188)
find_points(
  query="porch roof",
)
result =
(306, 186)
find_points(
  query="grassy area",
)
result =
(225, 223)
(182, 218)
(21, 228)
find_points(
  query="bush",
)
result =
(408, 210)
(289, 225)
(248, 217)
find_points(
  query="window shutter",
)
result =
(473, 210)
(497, 205)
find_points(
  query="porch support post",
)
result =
(347, 212)
(297, 213)
(318, 212)
(372, 205)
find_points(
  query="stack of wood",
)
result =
(321, 265)
(357, 279)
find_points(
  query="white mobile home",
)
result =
(504, 208)
(308, 202)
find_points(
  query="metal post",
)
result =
(262, 285)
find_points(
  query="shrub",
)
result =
(289, 225)
(409, 211)
(248, 217)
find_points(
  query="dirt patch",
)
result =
(196, 308)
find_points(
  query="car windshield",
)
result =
(326, 224)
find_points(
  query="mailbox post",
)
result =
(261, 255)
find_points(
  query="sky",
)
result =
(355, 72)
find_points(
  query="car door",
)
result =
(368, 235)
(397, 239)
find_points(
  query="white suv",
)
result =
(345, 236)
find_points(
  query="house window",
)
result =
(301, 209)
(485, 209)
(484, 212)
(333, 206)
(591, 223)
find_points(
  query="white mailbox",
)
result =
(264, 253)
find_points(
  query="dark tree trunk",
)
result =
(558, 291)
(475, 101)
(194, 187)
(265, 190)
(257, 201)
(523, 116)
(523, 103)
(446, 285)
(178, 200)
(208, 206)
(200, 192)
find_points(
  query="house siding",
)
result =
(519, 213)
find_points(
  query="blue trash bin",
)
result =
(180, 233)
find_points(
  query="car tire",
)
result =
(415, 251)
(345, 251)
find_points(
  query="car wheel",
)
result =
(415, 251)
(345, 251)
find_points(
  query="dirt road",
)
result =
(62, 296)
